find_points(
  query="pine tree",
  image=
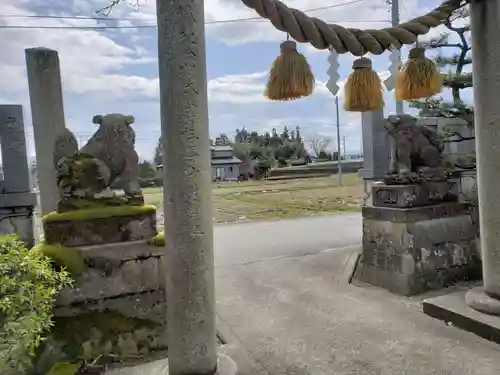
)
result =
(452, 68)
(298, 137)
(285, 133)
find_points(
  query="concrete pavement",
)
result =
(299, 317)
(260, 240)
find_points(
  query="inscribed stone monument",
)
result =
(17, 202)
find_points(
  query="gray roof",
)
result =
(220, 161)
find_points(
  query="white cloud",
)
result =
(246, 88)
(240, 89)
(88, 58)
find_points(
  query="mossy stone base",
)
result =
(88, 336)
(100, 230)
(114, 270)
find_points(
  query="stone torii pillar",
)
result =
(47, 116)
(189, 258)
(485, 27)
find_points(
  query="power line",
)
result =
(254, 19)
(148, 26)
(134, 19)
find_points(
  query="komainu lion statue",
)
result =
(107, 157)
(416, 151)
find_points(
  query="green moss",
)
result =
(158, 240)
(110, 325)
(99, 213)
(90, 335)
(104, 202)
(64, 368)
(63, 256)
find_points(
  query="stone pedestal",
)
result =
(93, 230)
(420, 239)
(117, 306)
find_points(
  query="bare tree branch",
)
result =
(319, 143)
(135, 4)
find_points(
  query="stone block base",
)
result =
(451, 308)
(82, 231)
(115, 270)
(414, 195)
(124, 328)
(409, 251)
(117, 307)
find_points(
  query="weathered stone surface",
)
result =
(414, 214)
(101, 231)
(116, 309)
(454, 129)
(225, 366)
(124, 328)
(414, 195)
(109, 155)
(47, 114)
(115, 270)
(477, 299)
(149, 305)
(18, 220)
(410, 256)
(414, 148)
(451, 308)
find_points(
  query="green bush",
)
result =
(27, 291)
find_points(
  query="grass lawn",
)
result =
(254, 200)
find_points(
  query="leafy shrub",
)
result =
(28, 285)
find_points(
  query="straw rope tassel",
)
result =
(363, 89)
(418, 78)
(290, 77)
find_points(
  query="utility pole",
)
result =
(395, 22)
(339, 159)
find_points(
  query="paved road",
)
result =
(255, 241)
(259, 240)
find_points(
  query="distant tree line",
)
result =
(260, 152)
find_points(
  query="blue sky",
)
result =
(115, 70)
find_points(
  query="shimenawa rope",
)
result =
(321, 35)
